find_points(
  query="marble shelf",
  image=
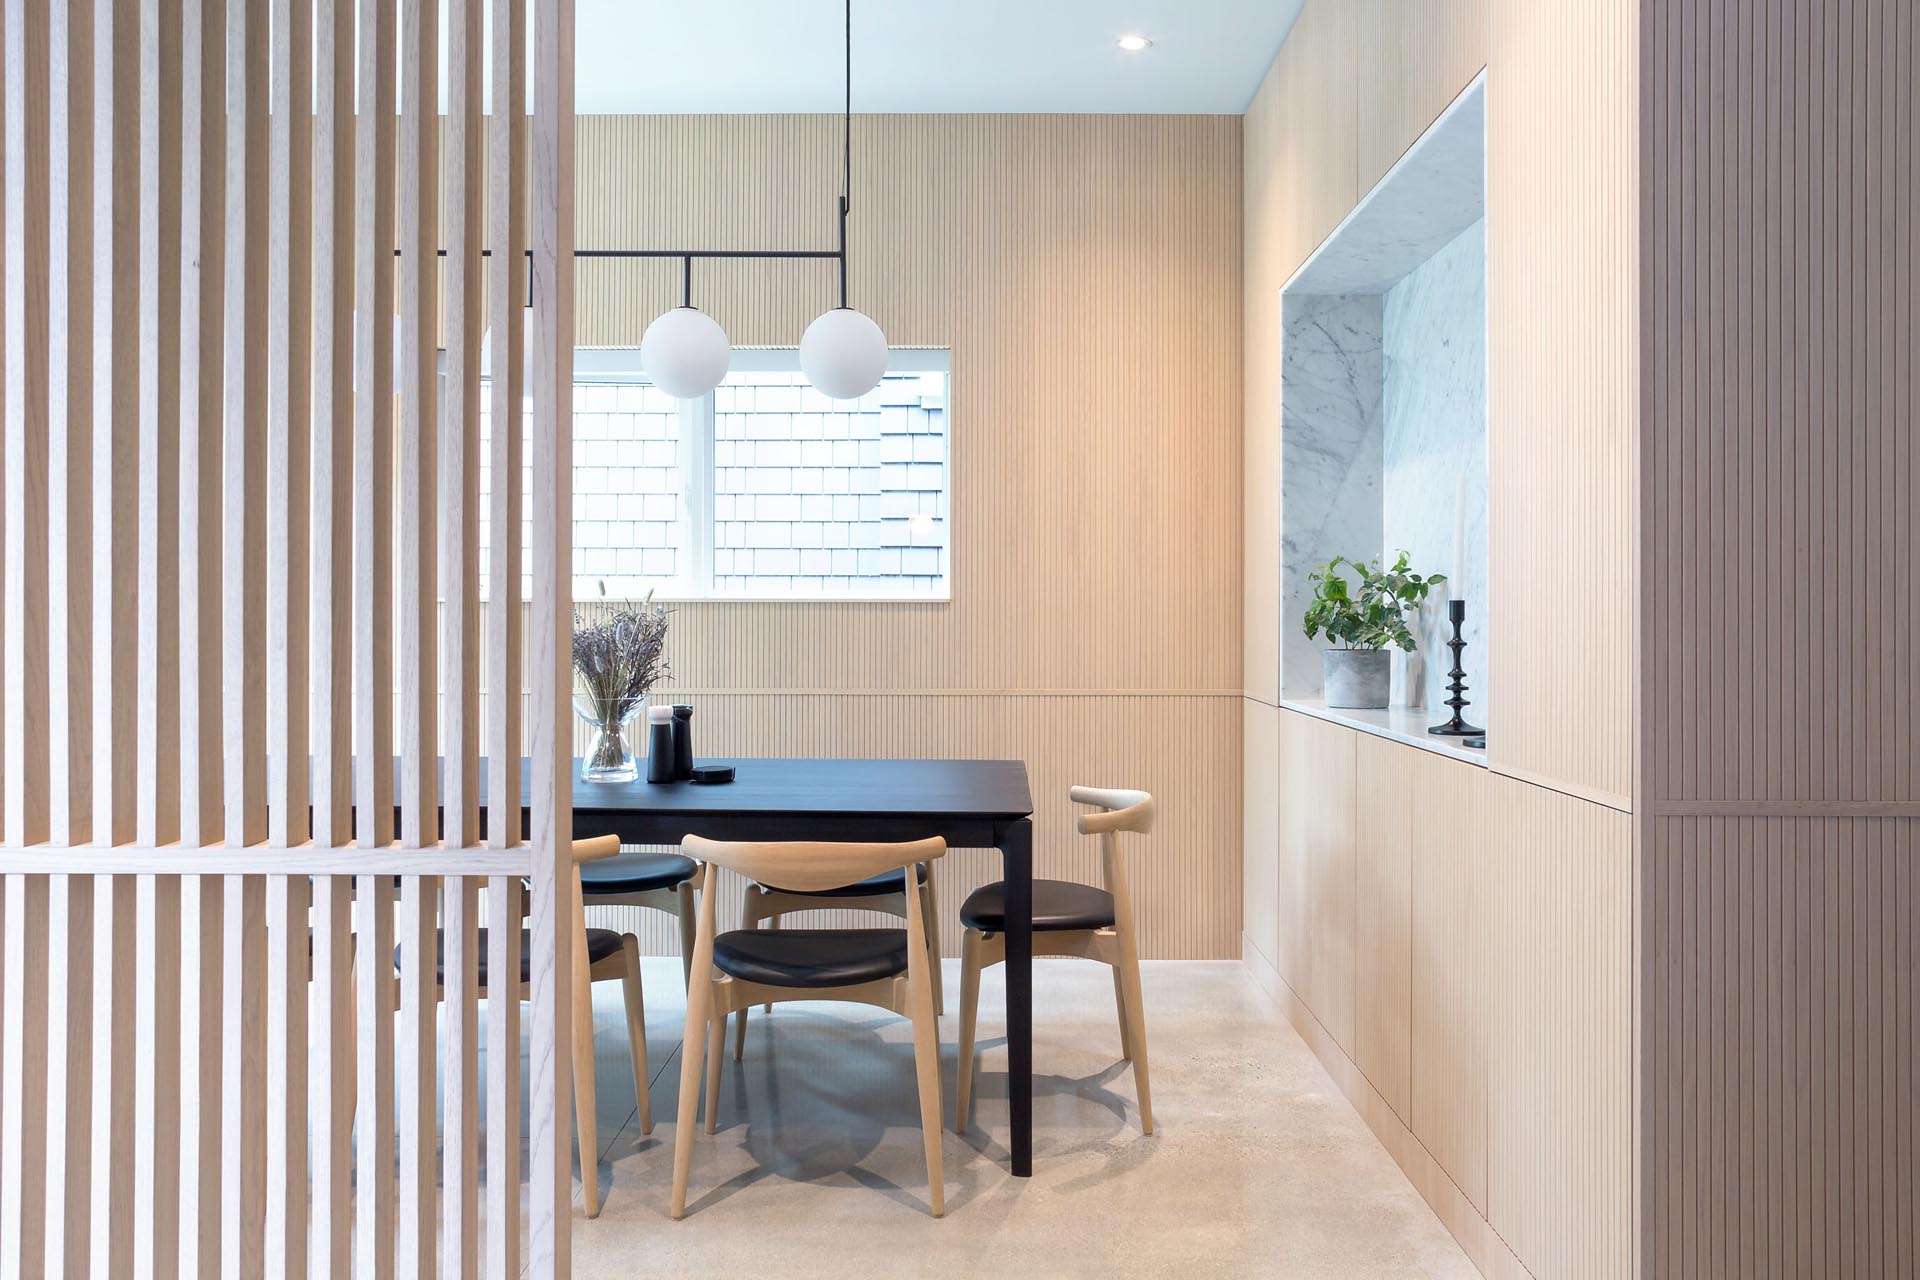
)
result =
(1398, 724)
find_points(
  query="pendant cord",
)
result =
(846, 153)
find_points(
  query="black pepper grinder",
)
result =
(682, 742)
(660, 744)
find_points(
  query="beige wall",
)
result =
(1085, 272)
(1779, 860)
(1456, 943)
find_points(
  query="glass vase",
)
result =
(609, 756)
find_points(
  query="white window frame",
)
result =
(694, 451)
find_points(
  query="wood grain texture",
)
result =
(1316, 872)
(1450, 961)
(1260, 829)
(1563, 369)
(1558, 909)
(1383, 917)
(1414, 58)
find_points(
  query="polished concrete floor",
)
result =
(1259, 1167)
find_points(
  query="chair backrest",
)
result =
(1120, 810)
(808, 866)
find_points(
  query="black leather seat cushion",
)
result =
(635, 873)
(894, 881)
(811, 957)
(1057, 905)
(601, 943)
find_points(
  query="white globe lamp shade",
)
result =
(843, 354)
(685, 352)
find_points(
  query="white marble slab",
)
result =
(1434, 432)
(1330, 460)
(1401, 724)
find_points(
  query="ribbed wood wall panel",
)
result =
(1558, 892)
(1562, 389)
(1779, 428)
(1452, 956)
(1415, 59)
(1782, 1055)
(1489, 1038)
(1781, 1037)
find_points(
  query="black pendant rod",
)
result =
(687, 256)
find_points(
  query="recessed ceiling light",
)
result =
(1133, 43)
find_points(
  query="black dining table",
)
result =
(971, 804)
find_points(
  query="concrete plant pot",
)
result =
(1356, 677)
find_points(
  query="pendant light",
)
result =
(843, 352)
(685, 351)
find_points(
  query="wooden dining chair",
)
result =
(599, 955)
(886, 893)
(884, 967)
(1069, 919)
(661, 881)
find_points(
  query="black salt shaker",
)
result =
(682, 742)
(660, 737)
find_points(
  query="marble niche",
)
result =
(1383, 404)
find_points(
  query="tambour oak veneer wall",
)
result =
(1085, 272)
(1456, 943)
(1781, 864)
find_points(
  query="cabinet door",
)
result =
(1383, 925)
(1317, 869)
(1450, 980)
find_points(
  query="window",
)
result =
(765, 489)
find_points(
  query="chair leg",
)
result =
(1136, 1029)
(969, 1010)
(715, 1052)
(637, 1030)
(693, 1045)
(926, 1065)
(683, 894)
(749, 919)
(585, 1104)
(930, 914)
(767, 1009)
(1120, 1008)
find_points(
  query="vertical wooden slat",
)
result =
(289, 346)
(243, 1119)
(243, 454)
(157, 757)
(332, 504)
(70, 268)
(460, 1164)
(506, 212)
(552, 757)
(290, 950)
(105, 1214)
(23, 1152)
(202, 1007)
(415, 1053)
(414, 384)
(459, 583)
(26, 712)
(202, 287)
(289, 403)
(372, 428)
(373, 1185)
(331, 1085)
(503, 1074)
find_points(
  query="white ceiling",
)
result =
(699, 56)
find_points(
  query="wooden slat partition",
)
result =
(204, 607)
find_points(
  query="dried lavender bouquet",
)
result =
(616, 661)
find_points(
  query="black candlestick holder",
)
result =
(1458, 727)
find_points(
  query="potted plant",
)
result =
(1363, 609)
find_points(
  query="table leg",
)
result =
(1016, 850)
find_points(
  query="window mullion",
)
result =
(696, 477)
